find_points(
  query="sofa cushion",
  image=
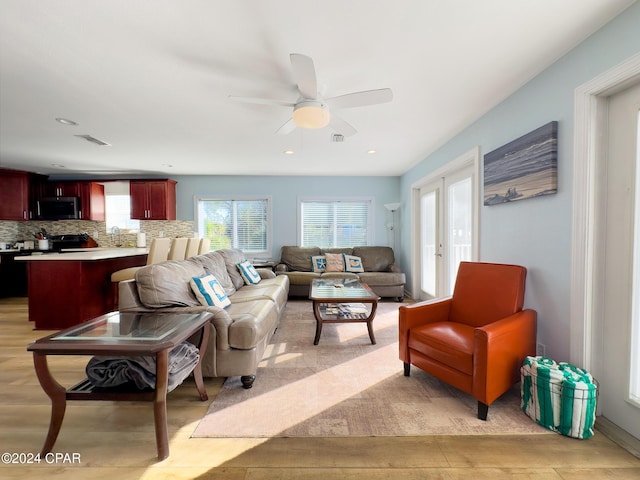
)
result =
(301, 278)
(352, 264)
(375, 259)
(340, 250)
(271, 289)
(380, 279)
(252, 322)
(298, 259)
(447, 342)
(213, 263)
(208, 291)
(248, 273)
(166, 284)
(335, 262)
(340, 275)
(232, 257)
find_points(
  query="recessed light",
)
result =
(66, 121)
(168, 165)
(372, 152)
(289, 152)
(57, 165)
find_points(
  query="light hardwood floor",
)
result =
(116, 440)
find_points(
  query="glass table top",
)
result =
(340, 288)
(120, 326)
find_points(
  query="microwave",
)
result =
(58, 208)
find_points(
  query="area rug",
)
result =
(345, 386)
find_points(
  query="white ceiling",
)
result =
(152, 78)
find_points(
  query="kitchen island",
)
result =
(73, 286)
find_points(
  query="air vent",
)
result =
(337, 137)
(95, 140)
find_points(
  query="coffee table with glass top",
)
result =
(127, 335)
(340, 300)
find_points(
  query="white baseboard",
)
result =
(616, 434)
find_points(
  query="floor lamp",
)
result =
(391, 226)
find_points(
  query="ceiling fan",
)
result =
(311, 110)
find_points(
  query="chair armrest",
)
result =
(265, 273)
(281, 267)
(220, 322)
(500, 348)
(128, 298)
(411, 316)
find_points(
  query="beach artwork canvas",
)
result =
(524, 168)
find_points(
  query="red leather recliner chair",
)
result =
(476, 339)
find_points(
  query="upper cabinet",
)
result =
(91, 201)
(91, 196)
(153, 199)
(17, 197)
(14, 195)
(61, 189)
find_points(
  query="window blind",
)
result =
(335, 223)
(232, 223)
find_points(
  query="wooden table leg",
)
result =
(197, 372)
(316, 313)
(58, 395)
(160, 403)
(374, 307)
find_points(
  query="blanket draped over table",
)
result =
(141, 371)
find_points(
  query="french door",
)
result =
(446, 220)
(617, 331)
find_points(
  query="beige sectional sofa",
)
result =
(381, 272)
(240, 331)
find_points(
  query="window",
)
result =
(117, 205)
(243, 223)
(335, 223)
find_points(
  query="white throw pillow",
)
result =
(209, 291)
(249, 274)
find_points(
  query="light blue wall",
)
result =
(536, 232)
(285, 191)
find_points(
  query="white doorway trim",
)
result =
(469, 158)
(589, 108)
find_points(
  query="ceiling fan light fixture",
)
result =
(311, 114)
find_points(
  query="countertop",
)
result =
(87, 254)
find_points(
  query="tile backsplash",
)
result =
(11, 232)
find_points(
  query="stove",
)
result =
(60, 242)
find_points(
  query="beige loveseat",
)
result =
(381, 272)
(240, 331)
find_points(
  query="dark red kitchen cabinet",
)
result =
(153, 199)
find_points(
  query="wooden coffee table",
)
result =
(338, 294)
(120, 335)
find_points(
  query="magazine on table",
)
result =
(345, 309)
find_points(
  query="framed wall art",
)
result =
(524, 168)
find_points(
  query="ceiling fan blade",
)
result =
(361, 99)
(261, 101)
(304, 74)
(341, 126)
(287, 128)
